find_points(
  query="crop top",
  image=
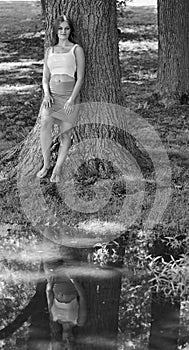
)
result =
(65, 312)
(62, 63)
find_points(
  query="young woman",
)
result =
(63, 75)
(66, 302)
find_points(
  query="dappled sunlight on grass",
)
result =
(135, 46)
(22, 248)
(101, 226)
(138, 33)
(5, 55)
(32, 35)
(138, 58)
(140, 29)
(140, 77)
(139, 63)
(22, 64)
(8, 89)
(19, 70)
(3, 50)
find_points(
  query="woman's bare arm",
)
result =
(82, 303)
(82, 316)
(80, 64)
(45, 82)
(49, 293)
(46, 73)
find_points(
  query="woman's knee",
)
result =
(46, 120)
(66, 135)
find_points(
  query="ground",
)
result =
(21, 58)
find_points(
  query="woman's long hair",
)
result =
(57, 22)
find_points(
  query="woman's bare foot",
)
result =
(55, 177)
(43, 172)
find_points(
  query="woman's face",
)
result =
(64, 30)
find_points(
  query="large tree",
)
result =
(173, 68)
(96, 31)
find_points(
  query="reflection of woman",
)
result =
(66, 302)
(63, 75)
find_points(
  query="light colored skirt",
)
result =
(61, 91)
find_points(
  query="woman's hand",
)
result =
(48, 100)
(68, 107)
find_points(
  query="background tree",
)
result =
(173, 68)
(43, 5)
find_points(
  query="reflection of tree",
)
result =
(43, 6)
(165, 311)
(37, 306)
(102, 291)
(103, 301)
(165, 323)
(103, 294)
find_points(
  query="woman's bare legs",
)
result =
(65, 141)
(46, 139)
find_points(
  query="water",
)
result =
(122, 312)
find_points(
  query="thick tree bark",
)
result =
(95, 24)
(43, 7)
(173, 71)
(96, 31)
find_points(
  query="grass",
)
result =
(21, 58)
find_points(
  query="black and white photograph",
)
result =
(94, 175)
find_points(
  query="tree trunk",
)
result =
(37, 312)
(43, 7)
(95, 25)
(165, 324)
(96, 30)
(173, 71)
(100, 331)
(102, 287)
(39, 330)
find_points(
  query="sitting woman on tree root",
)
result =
(63, 75)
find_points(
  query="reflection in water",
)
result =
(66, 302)
(110, 294)
(85, 284)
